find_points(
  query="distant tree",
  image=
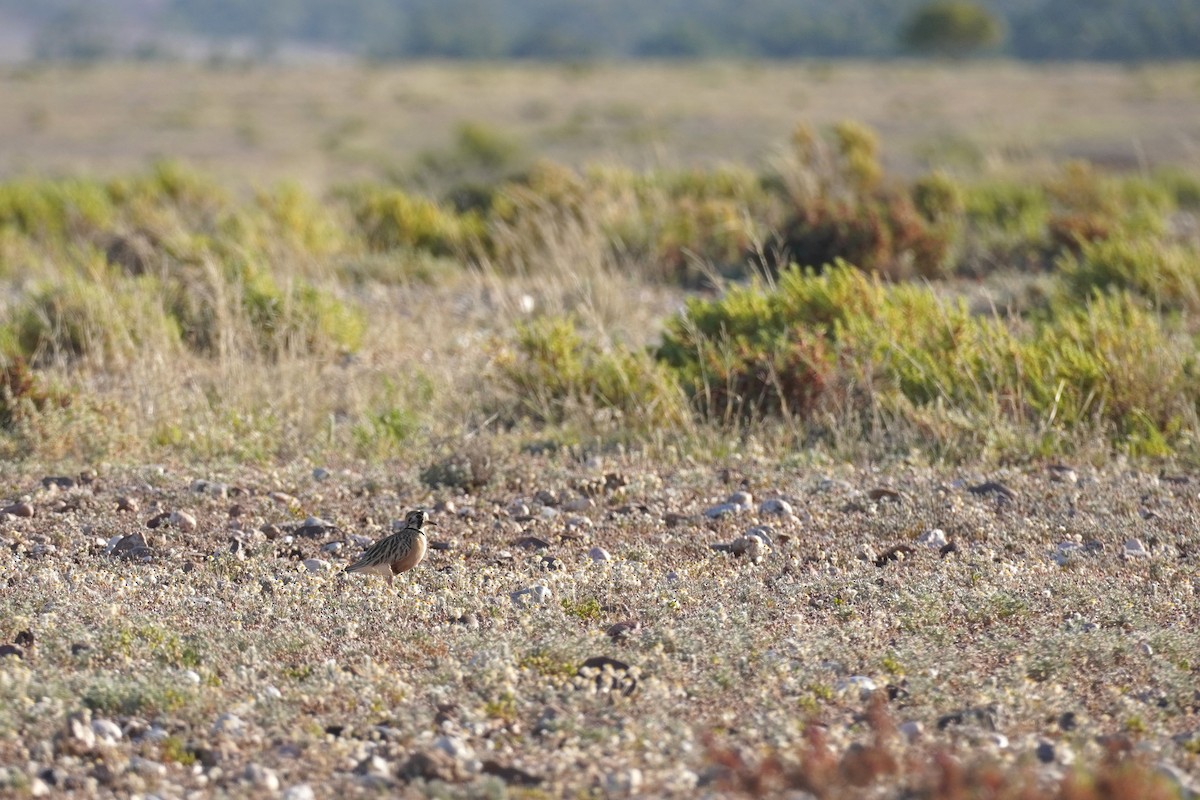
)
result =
(76, 34)
(953, 28)
(553, 44)
(684, 40)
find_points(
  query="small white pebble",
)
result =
(722, 510)
(743, 500)
(934, 538)
(534, 595)
(777, 506)
(1135, 549)
(261, 776)
(144, 766)
(454, 747)
(229, 723)
(578, 504)
(858, 685)
(108, 730)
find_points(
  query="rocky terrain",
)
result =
(602, 626)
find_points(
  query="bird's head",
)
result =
(418, 517)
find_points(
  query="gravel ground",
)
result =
(606, 626)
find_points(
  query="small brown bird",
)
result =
(397, 553)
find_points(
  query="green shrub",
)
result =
(1111, 365)
(882, 233)
(937, 196)
(1182, 187)
(1005, 225)
(84, 319)
(759, 351)
(295, 220)
(298, 317)
(55, 210)
(241, 308)
(171, 184)
(1168, 275)
(838, 339)
(554, 373)
(480, 156)
(392, 219)
(673, 226)
(1090, 206)
(23, 392)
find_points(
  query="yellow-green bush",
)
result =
(80, 318)
(1166, 274)
(295, 220)
(1111, 365)
(760, 351)
(393, 219)
(55, 210)
(553, 373)
(838, 339)
(242, 309)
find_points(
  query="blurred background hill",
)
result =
(314, 30)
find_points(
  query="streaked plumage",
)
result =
(397, 553)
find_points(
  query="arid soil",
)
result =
(596, 625)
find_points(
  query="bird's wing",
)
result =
(369, 558)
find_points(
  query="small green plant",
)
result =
(548, 665)
(938, 196)
(587, 610)
(175, 750)
(502, 708)
(759, 351)
(843, 210)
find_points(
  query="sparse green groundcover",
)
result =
(574, 367)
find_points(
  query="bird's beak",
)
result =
(431, 522)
